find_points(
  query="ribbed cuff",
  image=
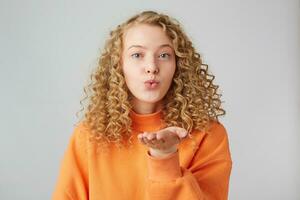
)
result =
(164, 169)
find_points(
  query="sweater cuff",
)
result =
(164, 169)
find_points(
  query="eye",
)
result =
(136, 55)
(165, 55)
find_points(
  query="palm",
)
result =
(163, 139)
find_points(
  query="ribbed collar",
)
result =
(146, 122)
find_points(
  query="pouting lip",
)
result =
(151, 81)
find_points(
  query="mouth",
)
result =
(151, 84)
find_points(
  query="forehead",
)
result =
(149, 36)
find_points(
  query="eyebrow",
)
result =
(163, 45)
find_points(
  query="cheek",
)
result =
(130, 76)
(169, 72)
(127, 69)
(132, 71)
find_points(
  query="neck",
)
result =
(146, 108)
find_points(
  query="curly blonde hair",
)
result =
(191, 101)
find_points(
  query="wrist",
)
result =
(162, 153)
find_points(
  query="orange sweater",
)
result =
(132, 174)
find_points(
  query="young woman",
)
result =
(151, 129)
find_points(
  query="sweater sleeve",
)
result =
(72, 182)
(206, 178)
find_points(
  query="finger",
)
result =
(182, 133)
(151, 136)
(150, 143)
(145, 134)
(159, 135)
(140, 138)
(145, 141)
(173, 128)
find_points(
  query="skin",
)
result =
(148, 54)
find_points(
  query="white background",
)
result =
(47, 51)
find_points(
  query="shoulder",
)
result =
(215, 129)
(214, 143)
(81, 128)
(215, 135)
(80, 133)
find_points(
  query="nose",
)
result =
(151, 68)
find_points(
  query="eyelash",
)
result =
(160, 54)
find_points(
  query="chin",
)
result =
(150, 100)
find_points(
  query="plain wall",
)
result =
(48, 49)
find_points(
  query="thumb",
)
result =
(181, 132)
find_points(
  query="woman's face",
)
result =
(147, 55)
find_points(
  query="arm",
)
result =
(72, 181)
(206, 178)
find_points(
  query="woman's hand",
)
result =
(163, 142)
